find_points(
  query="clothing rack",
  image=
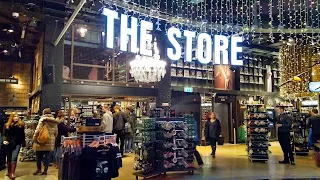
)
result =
(88, 138)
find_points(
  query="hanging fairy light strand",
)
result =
(271, 37)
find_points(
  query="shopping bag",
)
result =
(220, 140)
(43, 136)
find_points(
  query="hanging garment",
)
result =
(101, 163)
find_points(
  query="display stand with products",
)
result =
(27, 153)
(257, 130)
(257, 137)
(300, 137)
(170, 149)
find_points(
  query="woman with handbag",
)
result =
(44, 139)
(212, 132)
(13, 138)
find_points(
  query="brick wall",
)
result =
(15, 94)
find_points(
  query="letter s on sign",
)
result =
(172, 33)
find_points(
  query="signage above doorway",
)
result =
(209, 49)
(9, 80)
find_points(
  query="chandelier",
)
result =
(148, 69)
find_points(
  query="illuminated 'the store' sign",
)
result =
(204, 49)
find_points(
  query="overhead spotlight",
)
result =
(5, 51)
(82, 31)
(15, 14)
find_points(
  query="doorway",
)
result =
(224, 114)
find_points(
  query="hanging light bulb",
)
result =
(82, 31)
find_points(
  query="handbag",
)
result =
(220, 140)
(43, 136)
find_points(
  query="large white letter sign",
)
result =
(206, 56)
(111, 16)
(221, 49)
(145, 26)
(235, 50)
(188, 48)
(125, 31)
(172, 33)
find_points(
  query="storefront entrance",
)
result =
(224, 114)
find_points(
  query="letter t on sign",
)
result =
(111, 16)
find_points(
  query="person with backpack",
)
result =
(130, 129)
(13, 139)
(44, 140)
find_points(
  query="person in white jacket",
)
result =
(107, 119)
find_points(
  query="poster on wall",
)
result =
(223, 77)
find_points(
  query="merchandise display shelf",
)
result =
(300, 131)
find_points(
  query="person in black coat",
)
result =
(13, 139)
(212, 132)
(284, 125)
(63, 130)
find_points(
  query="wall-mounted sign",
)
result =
(208, 49)
(314, 86)
(188, 89)
(9, 80)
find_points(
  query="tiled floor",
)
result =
(231, 163)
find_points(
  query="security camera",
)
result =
(15, 14)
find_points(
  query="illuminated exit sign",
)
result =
(188, 89)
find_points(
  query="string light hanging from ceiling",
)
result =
(294, 60)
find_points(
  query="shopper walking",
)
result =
(46, 132)
(119, 120)
(314, 124)
(107, 119)
(284, 125)
(63, 130)
(13, 139)
(130, 129)
(212, 132)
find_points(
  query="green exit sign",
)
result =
(188, 89)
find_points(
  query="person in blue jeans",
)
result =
(13, 139)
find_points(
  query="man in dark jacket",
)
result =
(284, 125)
(119, 121)
(314, 123)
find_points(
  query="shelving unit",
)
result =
(27, 153)
(257, 130)
(252, 74)
(206, 106)
(164, 145)
(191, 74)
(257, 136)
(300, 138)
